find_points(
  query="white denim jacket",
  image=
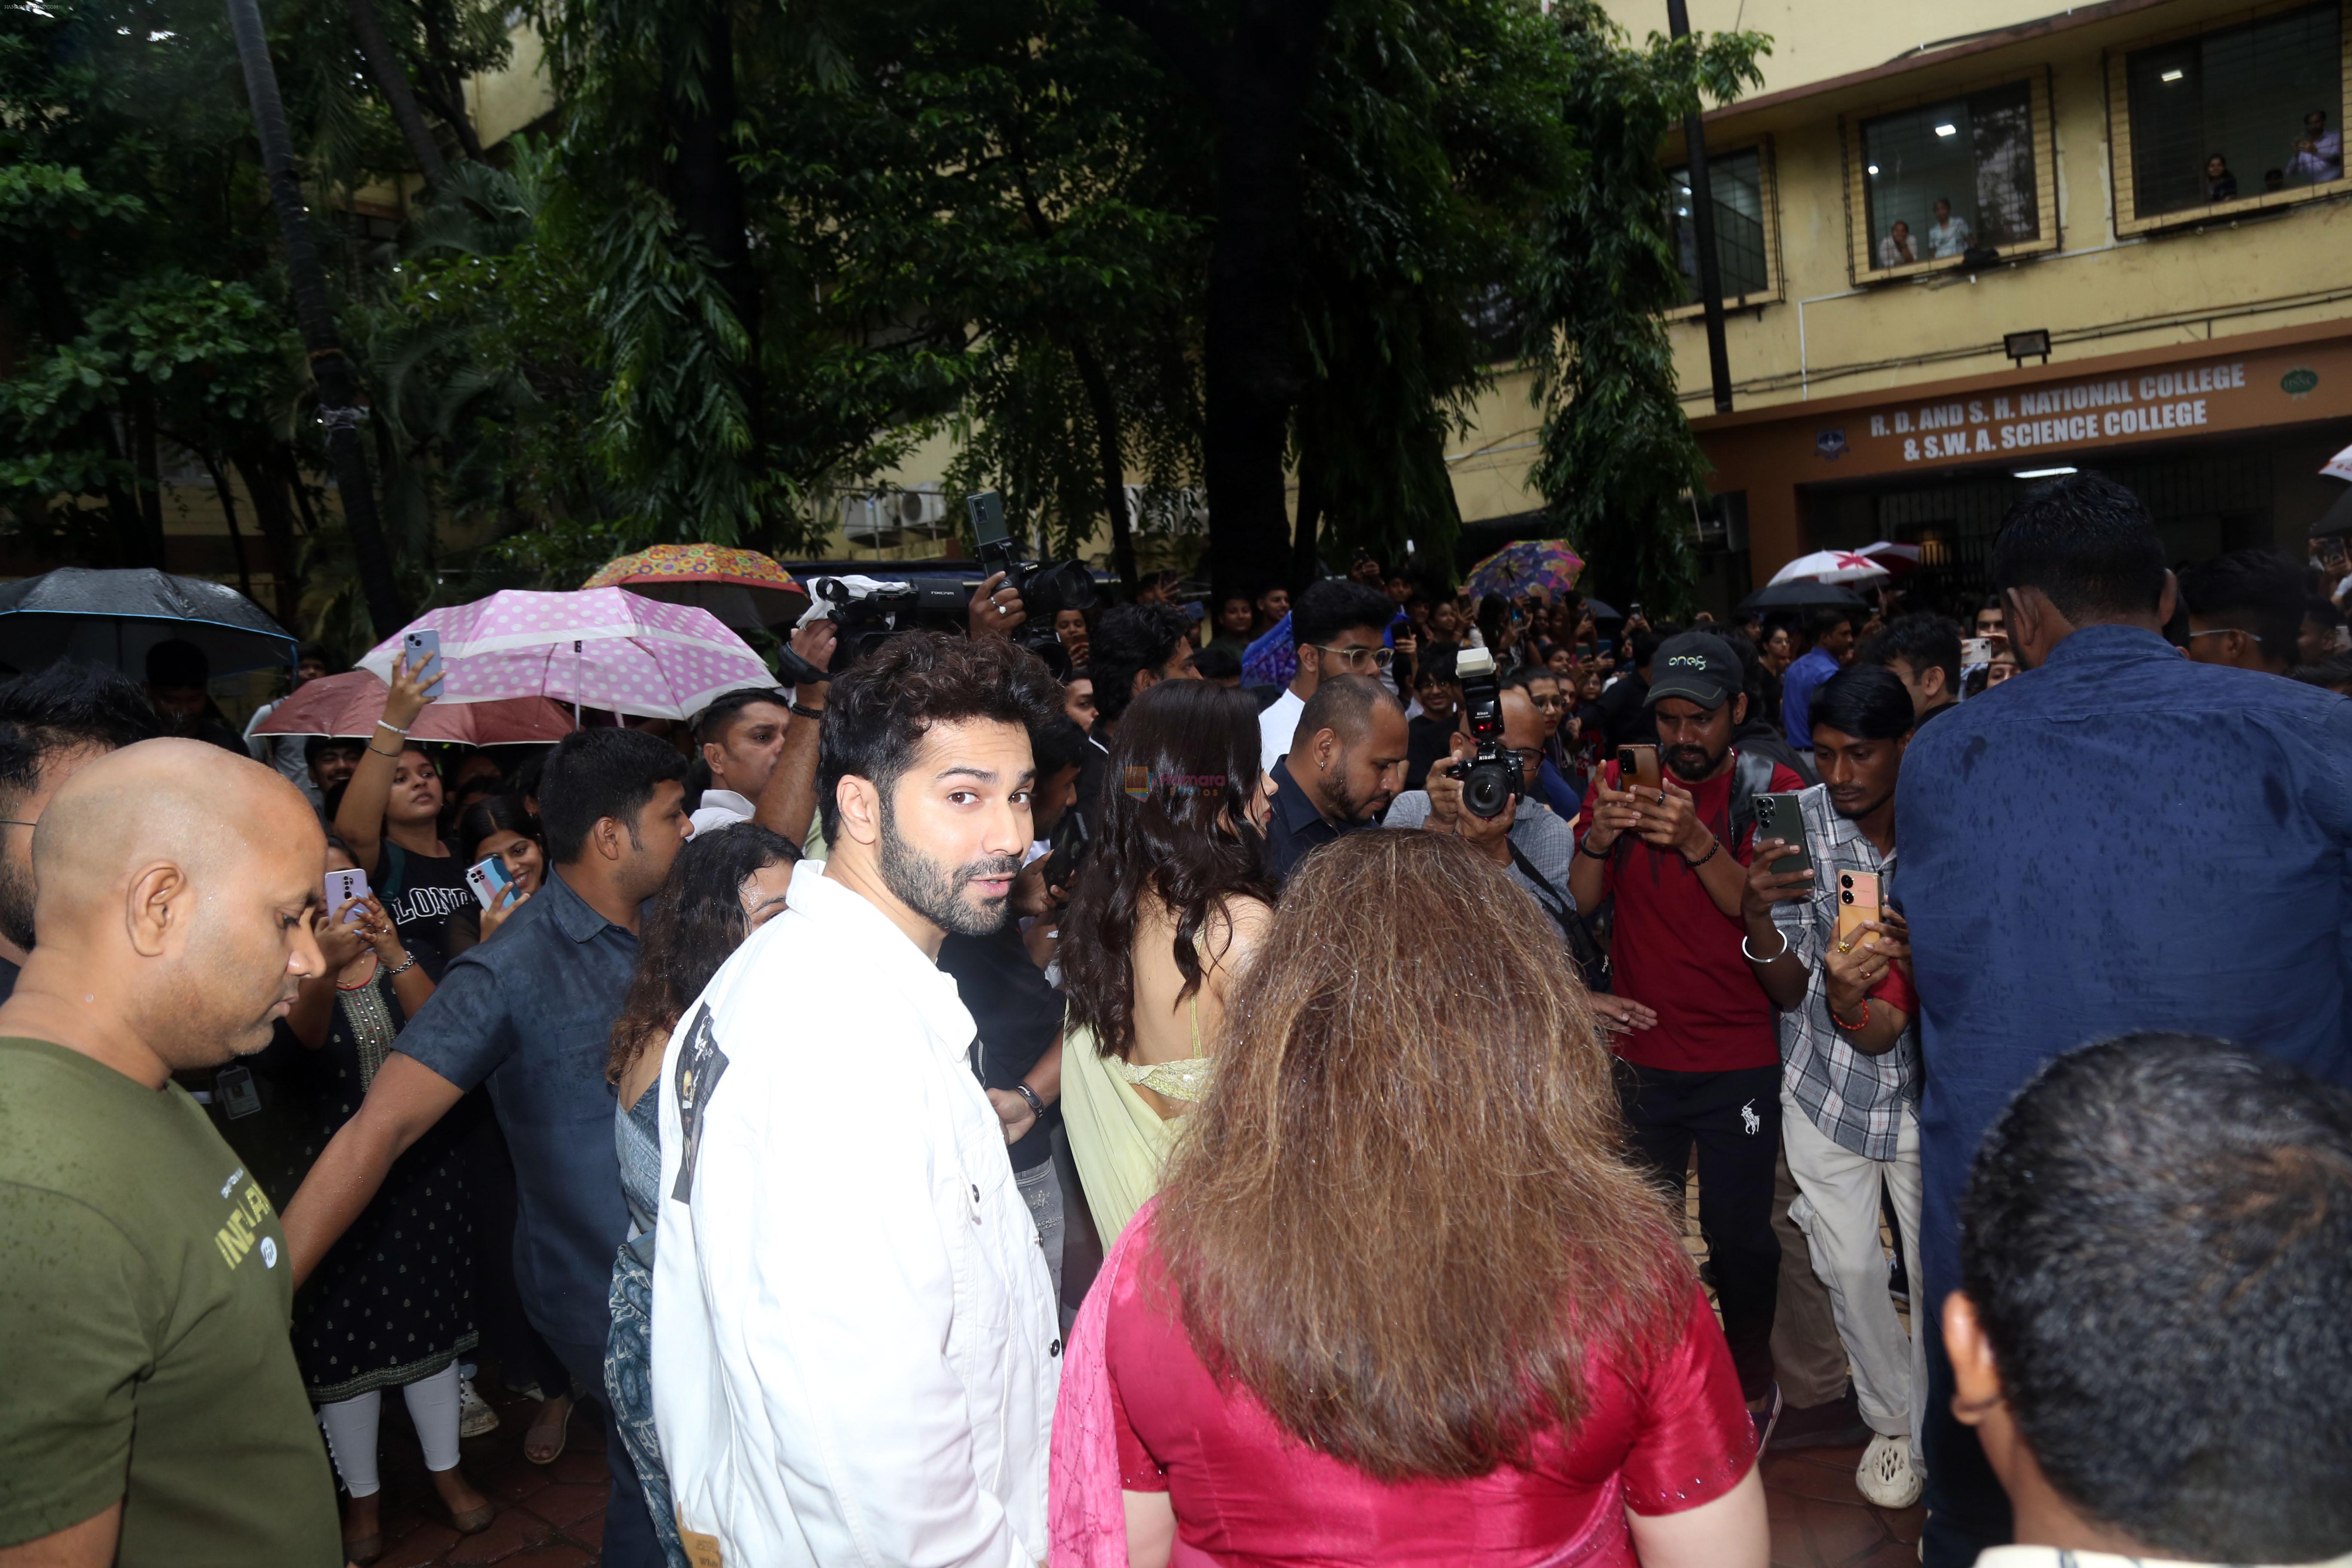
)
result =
(856, 1348)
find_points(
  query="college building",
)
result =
(2114, 237)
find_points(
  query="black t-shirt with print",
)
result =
(418, 891)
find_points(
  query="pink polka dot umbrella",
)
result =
(599, 647)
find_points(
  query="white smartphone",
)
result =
(344, 888)
(486, 877)
(1975, 652)
(422, 651)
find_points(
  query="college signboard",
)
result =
(2022, 416)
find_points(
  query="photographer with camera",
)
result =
(1672, 855)
(1495, 749)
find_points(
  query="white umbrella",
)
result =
(1833, 566)
(1895, 557)
(2338, 466)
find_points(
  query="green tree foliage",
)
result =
(1617, 453)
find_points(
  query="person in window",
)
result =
(2318, 153)
(2220, 186)
(1895, 250)
(1948, 235)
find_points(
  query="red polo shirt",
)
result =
(1676, 954)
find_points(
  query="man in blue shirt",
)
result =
(530, 1013)
(1833, 635)
(2117, 839)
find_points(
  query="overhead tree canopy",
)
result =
(1265, 254)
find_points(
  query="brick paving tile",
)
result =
(425, 1544)
(562, 1554)
(508, 1533)
(566, 1505)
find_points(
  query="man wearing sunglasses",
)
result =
(1340, 626)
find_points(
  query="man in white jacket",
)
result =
(856, 1348)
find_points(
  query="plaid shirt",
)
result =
(1856, 1099)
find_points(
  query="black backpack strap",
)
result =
(1751, 776)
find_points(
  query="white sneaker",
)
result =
(1885, 1477)
(475, 1416)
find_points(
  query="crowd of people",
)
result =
(1240, 1101)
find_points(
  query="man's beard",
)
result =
(1350, 808)
(935, 891)
(16, 902)
(1692, 763)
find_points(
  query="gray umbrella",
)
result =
(1802, 594)
(114, 617)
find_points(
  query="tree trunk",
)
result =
(266, 486)
(145, 464)
(1109, 446)
(443, 86)
(387, 606)
(1310, 514)
(1256, 80)
(236, 534)
(707, 192)
(384, 66)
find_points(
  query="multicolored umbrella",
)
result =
(601, 647)
(742, 587)
(1545, 563)
(350, 704)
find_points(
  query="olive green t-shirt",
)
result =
(144, 1296)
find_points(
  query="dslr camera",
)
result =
(1491, 778)
(1046, 587)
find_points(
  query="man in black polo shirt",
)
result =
(1346, 763)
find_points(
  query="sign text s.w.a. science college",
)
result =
(2072, 414)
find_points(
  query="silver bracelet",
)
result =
(388, 724)
(405, 965)
(1750, 953)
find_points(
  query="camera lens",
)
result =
(1847, 896)
(1846, 882)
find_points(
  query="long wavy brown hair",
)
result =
(1404, 1216)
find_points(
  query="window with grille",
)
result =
(2238, 113)
(1946, 178)
(1741, 249)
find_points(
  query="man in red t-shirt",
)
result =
(1709, 1071)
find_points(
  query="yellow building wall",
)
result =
(1827, 337)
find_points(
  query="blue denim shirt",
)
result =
(530, 1013)
(2119, 840)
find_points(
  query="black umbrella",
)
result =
(114, 617)
(1802, 594)
(1601, 611)
(2337, 520)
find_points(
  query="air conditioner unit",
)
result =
(925, 510)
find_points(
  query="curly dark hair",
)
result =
(1174, 824)
(878, 711)
(695, 922)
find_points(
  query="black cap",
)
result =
(1697, 667)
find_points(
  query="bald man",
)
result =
(1346, 763)
(148, 1288)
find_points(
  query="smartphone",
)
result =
(344, 887)
(1779, 816)
(1071, 840)
(422, 651)
(1857, 904)
(1637, 768)
(487, 876)
(1975, 651)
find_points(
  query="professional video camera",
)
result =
(1491, 778)
(1046, 587)
(865, 611)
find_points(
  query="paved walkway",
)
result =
(553, 1516)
